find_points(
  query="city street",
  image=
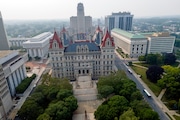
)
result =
(152, 101)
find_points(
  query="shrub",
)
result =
(24, 84)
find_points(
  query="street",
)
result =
(141, 86)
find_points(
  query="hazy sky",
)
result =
(64, 9)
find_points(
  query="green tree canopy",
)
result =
(171, 81)
(154, 73)
(128, 115)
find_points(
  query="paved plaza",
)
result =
(85, 90)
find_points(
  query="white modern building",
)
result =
(122, 20)
(160, 43)
(38, 46)
(137, 44)
(3, 38)
(80, 25)
(12, 72)
(132, 44)
(17, 42)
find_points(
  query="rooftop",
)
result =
(4, 53)
(91, 46)
(128, 34)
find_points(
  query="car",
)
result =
(129, 71)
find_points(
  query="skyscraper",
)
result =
(80, 25)
(122, 20)
(3, 39)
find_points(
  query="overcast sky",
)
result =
(64, 9)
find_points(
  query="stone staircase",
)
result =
(84, 88)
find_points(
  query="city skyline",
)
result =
(34, 10)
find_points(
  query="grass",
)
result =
(147, 65)
(141, 71)
(143, 64)
(176, 117)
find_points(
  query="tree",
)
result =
(64, 93)
(142, 58)
(154, 59)
(101, 112)
(52, 93)
(169, 58)
(71, 103)
(30, 110)
(128, 115)
(171, 81)
(148, 114)
(44, 116)
(118, 102)
(58, 111)
(136, 95)
(127, 88)
(154, 73)
(105, 90)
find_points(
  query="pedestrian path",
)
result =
(85, 90)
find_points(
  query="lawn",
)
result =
(176, 117)
(147, 65)
(154, 88)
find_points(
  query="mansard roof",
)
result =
(57, 39)
(106, 36)
(91, 46)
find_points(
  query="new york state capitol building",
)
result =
(81, 57)
(75, 53)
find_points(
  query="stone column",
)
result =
(18, 76)
(24, 71)
(21, 73)
(15, 79)
(39, 52)
(11, 85)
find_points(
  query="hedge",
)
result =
(24, 84)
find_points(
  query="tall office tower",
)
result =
(3, 39)
(122, 20)
(80, 25)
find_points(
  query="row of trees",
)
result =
(158, 59)
(53, 100)
(126, 102)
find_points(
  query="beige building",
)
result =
(80, 25)
(137, 44)
(132, 44)
(82, 57)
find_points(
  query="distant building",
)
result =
(82, 57)
(137, 44)
(38, 46)
(17, 42)
(160, 43)
(12, 72)
(3, 38)
(80, 25)
(132, 44)
(122, 20)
